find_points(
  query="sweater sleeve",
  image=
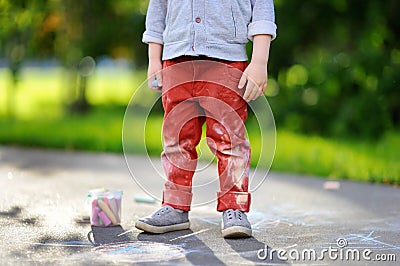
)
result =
(155, 21)
(263, 19)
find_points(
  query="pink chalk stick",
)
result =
(105, 218)
(109, 204)
(105, 199)
(95, 216)
(94, 204)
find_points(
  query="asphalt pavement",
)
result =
(44, 217)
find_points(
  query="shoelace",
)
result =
(166, 208)
(231, 214)
(239, 214)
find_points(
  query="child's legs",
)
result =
(182, 126)
(226, 113)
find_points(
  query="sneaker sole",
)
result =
(161, 229)
(236, 232)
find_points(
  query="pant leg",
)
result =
(226, 113)
(182, 126)
(233, 153)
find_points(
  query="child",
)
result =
(179, 31)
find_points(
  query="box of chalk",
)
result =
(105, 207)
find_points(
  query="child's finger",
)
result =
(248, 91)
(242, 81)
(254, 94)
(257, 92)
(264, 88)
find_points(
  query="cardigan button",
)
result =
(198, 20)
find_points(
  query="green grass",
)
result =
(99, 130)
(345, 159)
(41, 121)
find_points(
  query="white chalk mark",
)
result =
(64, 244)
(278, 222)
(138, 251)
(124, 233)
(189, 235)
(373, 240)
(364, 241)
(288, 247)
(128, 231)
(258, 223)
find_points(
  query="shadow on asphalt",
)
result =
(15, 213)
(251, 248)
(68, 244)
(109, 235)
(196, 251)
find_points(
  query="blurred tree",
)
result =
(95, 28)
(129, 29)
(18, 20)
(79, 34)
(337, 66)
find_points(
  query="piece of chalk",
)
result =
(114, 208)
(94, 204)
(332, 185)
(144, 199)
(104, 218)
(154, 83)
(105, 200)
(95, 216)
(107, 211)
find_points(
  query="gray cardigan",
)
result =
(214, 28)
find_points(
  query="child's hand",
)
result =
(155, 66)
(255, 76)
(256, 73)
(154, 75)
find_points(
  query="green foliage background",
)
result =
(334, 67)
(337, 67)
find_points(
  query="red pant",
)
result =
(195, 92)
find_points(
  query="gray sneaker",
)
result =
(164, 220)
(235, 224)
